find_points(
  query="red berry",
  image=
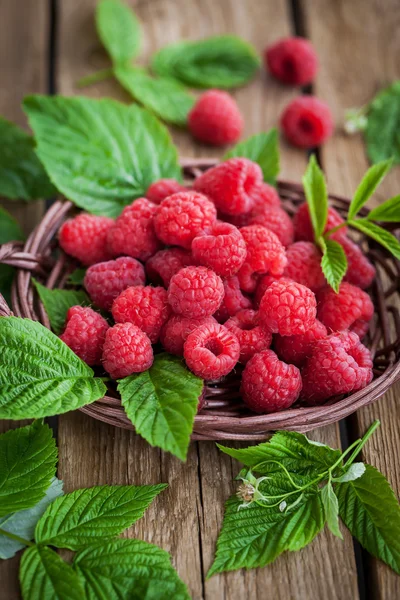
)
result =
(230, 185)
(215, 119)
(195, 292)
(85, 238)
(307, 122)
(211, 351)
(276, 220)
(344, 310)
(339, 364)
(263, 196)
(183, 216)
(252, 338)
(292, 60)
(303, 228)
(233, 300)
(248, 279)
(263, 284)
(105, 281)
(163, 188)
(268, 384)
(85, 333)
(144, 306)
(175, 332)
(304, 265)
(265, 253)
(127, 350)
(222, 248)
(360, 271)
(165, 263)
(295, 349)
(287, 308)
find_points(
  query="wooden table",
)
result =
(46, 46)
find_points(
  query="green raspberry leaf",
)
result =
(331, 508)
(100, 153)
(118, 29)
(388, 211)
(162, 403)
(317, 196)
(380, 235)
(333, 263)
(88, 516)
(77, 277)
(9, 231)
(383, 125)
(372, 178)
(39, 375)
(57, 302)
(216, 62)
(263, 149)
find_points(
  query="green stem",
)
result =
(363, 441)
(282, 467)
(95, 77)
(105, 379)
(16, 538)
(335, 229)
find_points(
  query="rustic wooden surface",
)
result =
(352, 42)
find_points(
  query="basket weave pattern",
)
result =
(224, 416)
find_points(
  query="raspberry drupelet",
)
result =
(233, 300)
(295, 349)
(276, 220)
(165, 263)
(304, 265)
(175, 332)
(307, 122)
(265, 253)
(292, 60)
(262, 285)
(252, 338)
(263, 196)
(85, 237)
(351, 307)
(195, 292)
(126, 350)
(84, 333)
(360, 271)
(222, 249)
(215, 119)
(161, 189)
(303, 228)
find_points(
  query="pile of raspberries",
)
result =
(220, 274)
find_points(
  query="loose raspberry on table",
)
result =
(175, 332)
(126, 350)
(292, 60)
(161, 189)
(183, 216)
(195, 292)
(85, 237)
(230, 185)
(263, 196)
(252, 338)
(287, 308)
(165, 263)
(265, 253)
(276, 220)
(84, 333)
(105, 281)
(360, 271)
(233, 300)
(304, 265)
(268, 384)
(303, 228)
(215, 119)
(133, 232)
(350, 307)
(222, 248)
(263, 284)
(339, 364)
(295, 349)
(144, 306)
(211, 351)
(248, 279)
(307, 122)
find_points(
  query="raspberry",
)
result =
(85, 238)
(265, 253)
(126, 350)
(222, 249)
(163, 188)
(133, 233)
(295, 349)
(211, 351)
(304, 265)
(346, 309)
(268, 384)
(175, 332)
(263, 196)
(360, 328)
(165, 263)
(230, 185)
(233, 300)
(307, 122)
(144, 306)
(292, 60)
(105, 281)
(263, 284)
(287, 308)
(84, 333)
(276, 220)
(339, 364)
(303, 228)
(215, 119)
(195, 292)
(248, 279)
(360, 271)
(252, 338)
(182, 216)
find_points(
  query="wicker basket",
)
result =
(224, 416)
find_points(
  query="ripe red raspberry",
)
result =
(248, 279)
(211, 351)
(133, 233)
(195, 292)
(265, 253)
(263, 196)
(360, 271)
(339, 364)
(233, 300)
(268, 384)
(163, 188)
(262, 285)
(175, 332)
(304, 265)
(307, 122)
(287, 308)
(85, 238)
(303, 228)
(215, 119)
(165, 263)
(344, 310)
(105, 281)
(230, 185)
(222, 248)
(144, 306)
(182, 216)
(84, 333)
(127, 350)
(276, 220)
(252, 338)
(292, 60)
(295, 349)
